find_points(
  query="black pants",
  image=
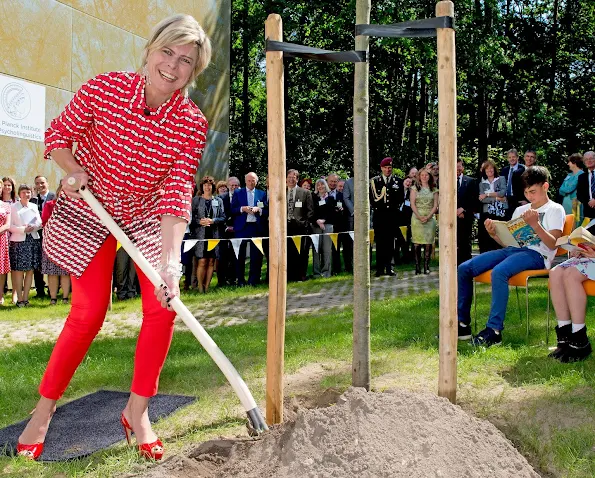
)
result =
(384, 236)
(297, 262)
(227, 265)
(125, 275)
(249, 230)
(464, 231)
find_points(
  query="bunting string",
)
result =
(296, 239)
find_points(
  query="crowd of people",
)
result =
(403, 216)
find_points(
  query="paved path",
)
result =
(217, 312)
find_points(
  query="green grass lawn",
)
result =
(546, 408)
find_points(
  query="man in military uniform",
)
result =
(386, 198)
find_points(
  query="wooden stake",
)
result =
(360, 373)
(447, 146)
(277, 224)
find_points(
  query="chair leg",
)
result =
(547, 327)
(475, 306)
(518, 303)
(527, 303)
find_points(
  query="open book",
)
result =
(579, 236)
(516, 233)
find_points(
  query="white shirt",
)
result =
(551, 217)
(250, 197)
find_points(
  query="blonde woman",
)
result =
(139, 142)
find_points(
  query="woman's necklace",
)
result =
(209, 207)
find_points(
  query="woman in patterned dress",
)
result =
(424, 204)
(8, 197)
(56, 275)
(4, 254)
(25, 244)
(139, 143)
(570, 303)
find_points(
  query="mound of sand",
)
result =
(392, 434)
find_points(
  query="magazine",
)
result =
(573, 241)
(516, 233)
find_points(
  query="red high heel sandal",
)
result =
(150, 451)
(32, 452)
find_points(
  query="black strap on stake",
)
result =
(413, 29)
(301, 51)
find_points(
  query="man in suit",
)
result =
(340, 224)
(386, 198)
(530, 158)
(300, 211)
(247, 208)
(585, 189)
(43, 194)
(348, 205)
(226, 267)
(515, 191)
(467, 194)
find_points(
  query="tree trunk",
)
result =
(554, 66)
(360, 370)
(246, 161)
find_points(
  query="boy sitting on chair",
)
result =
(546, 218)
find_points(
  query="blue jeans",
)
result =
(505, 263)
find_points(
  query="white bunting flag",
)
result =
(315, 241)
(236, 243)
(351, 235)
(189, 244)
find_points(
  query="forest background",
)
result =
(525, 80)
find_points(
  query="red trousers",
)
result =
(90, 301)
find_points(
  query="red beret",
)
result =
(386, 162)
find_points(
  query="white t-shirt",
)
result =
(551, 217)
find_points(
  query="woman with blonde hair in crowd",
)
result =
(492, 195)
(56, 275)
(424, 204)
(207, 217)
(139, 143)
(25, 244)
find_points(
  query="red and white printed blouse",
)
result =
(140, 166)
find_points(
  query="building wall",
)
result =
(61, 44)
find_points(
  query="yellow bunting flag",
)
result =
(258, 243)
(585, 222)
(211, 244)
(297, 240)
(118, 245)
(403, 231)
(371, 235)
(334, 237)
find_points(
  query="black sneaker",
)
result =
(578, 347)
(464, 331)
(486, 338)
(563, 334)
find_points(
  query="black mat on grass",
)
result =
(89, 424)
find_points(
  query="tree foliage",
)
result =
(526, 79)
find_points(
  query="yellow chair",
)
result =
(588, 285)
(522, 278)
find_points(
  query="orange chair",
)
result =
(522, 278)
(588, 285)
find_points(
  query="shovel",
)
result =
(256, 425)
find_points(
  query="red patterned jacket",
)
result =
(140, 167)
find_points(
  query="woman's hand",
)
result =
(78, 178)
(205, 221)
(482, 197)
(170, 287)
(29, 229)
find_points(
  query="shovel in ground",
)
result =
(257, 424)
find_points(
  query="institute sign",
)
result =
(22, 109)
